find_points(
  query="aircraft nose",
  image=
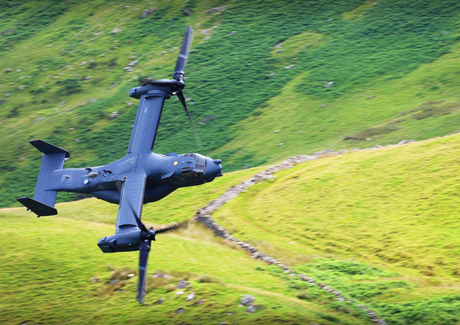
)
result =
(213, 169)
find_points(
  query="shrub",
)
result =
(205, 278)
(70, 86)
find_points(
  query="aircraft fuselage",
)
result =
(165, 173)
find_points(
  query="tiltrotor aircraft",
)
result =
(138, 178)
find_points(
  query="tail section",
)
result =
(43, 202)
(40, 209)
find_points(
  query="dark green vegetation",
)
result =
(369, 285)
(256, 89)
(256, 67)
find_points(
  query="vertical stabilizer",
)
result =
(44, 199)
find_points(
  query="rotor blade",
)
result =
(183, 55)
(181, 97)
(174, 226)
(140, 224)
(144, 249)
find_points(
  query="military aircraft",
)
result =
(138, 178)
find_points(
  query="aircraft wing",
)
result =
(152, 97)
(146, 123)
(131, 200)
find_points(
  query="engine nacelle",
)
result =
(123, 242)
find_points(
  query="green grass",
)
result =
(377, 225)
(392, 208)
(375, 115)
(58, 257)
(405, 192)
(394, 68)
(405, 54)
(49, 263)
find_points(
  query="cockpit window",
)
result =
(188, 173)
(191, 175)
(200, 165)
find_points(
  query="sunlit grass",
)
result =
(394, 208)
(49, 266)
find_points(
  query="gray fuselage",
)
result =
(165, 173)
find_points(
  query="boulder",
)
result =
(147, 12)
(219, 9)
(191, 296)
(182, 284)
(247, 300)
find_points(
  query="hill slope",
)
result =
(380, 225)
(394, 208)
(54, 272)
(256, 67)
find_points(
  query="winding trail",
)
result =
(204, 216)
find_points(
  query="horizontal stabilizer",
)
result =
(48, 148)
(40, 209)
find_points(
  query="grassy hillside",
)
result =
(421, 105)
(380, 225)
(49, 266)
(393, 208)
(49, 280)
(266, 80)
(256, 67)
